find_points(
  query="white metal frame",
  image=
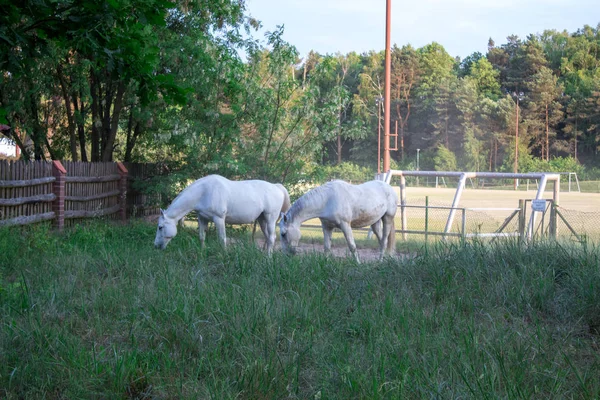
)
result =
(543, 177)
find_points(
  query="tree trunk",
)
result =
(37, 135)
(20, 145)
(547, 137)
(575, 138)
(339, 140)
(80, 121)
(114, 123)
(107, 101)
(495, 155)
(491, 155)
(401, 140)
(133, 132)
(69, 111)
(95, 108)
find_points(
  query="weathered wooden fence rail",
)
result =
(32, 192)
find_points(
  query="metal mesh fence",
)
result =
(579, 225)
(432, 217)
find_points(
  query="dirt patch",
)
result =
(341, 251)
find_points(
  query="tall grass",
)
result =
(96, 312)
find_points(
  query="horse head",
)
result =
(289, 234)
(167, 229)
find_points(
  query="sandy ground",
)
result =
(340, 250)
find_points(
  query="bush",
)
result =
(348, 172)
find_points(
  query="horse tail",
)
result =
(286, 198)
(254, 230)
(391, 244)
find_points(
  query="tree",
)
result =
(465, 65)
(405, 75)
(435, 92)
(486, 79)
(105, 58)
(285, 124)
(444, 159)
(544, 94)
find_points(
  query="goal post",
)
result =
(542, 177)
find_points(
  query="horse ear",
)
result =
(162, 212)
(284, 217)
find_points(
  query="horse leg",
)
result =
(202, 225)
(263, 228)
(220, 225)
(376, 229)
(327, 233)
(267, 225)
(388, 225)
(345, 227)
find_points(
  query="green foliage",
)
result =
(487, 78)
(444, 159)
(558, 164)
(164, 81)
(100, 313)
(348, 172)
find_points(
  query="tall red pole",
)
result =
(386, 96)
(516, 166)
(378, 135)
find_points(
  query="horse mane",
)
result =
(312, 196)
(191, 186)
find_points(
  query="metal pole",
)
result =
(426, 222)
(539, 195)
(386, 96)
(522, 220)
(418, 165)
(455, 202)
(378, 134)
(402, 205)
(464, 226)
(516, 167)
(553, 210)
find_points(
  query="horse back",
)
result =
(247, 200)
(372, 200)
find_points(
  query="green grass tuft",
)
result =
(97, 312)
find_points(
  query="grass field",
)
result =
(97, 312)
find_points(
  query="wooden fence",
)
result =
(65, 192)
(140, 203)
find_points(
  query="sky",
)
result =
(461, 26)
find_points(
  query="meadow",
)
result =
(97, 312)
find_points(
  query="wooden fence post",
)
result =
(58, 188)
(123, 189)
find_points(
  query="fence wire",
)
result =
(586, 224)
(437, 213)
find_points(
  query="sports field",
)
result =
(482, 198)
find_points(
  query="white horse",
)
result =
(341, 205)
(222, 201)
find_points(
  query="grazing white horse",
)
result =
(222, 201)
(341, 205)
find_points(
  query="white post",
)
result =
(403, 204)
(457, 195)
(539, 195)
